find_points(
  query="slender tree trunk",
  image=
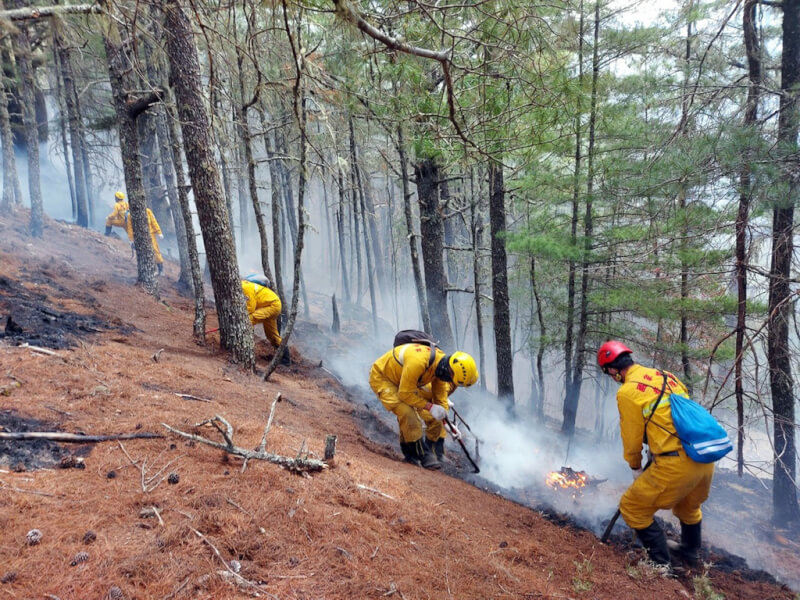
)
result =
(23, 53)
(119, 64)
(74, 121)
(742, 218)
(275, 198)
(574, 389)
(250, 164)
(62, 124)
(781, 305)
(502, 313)
(199, 325)
(476, 227)
(12, 195)
(236, 333)
(568, 423)
(340, 232)
(431, 229)
(412, 241)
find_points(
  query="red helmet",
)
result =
(609, 352)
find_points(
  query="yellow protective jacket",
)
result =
(117, 216)
(635, 400)
(260, 301)
(151, 223)
(407, 367)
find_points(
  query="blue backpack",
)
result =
(702, 437)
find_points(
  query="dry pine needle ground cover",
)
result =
(170, 518)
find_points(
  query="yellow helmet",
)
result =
(120, 195)
(465, 371)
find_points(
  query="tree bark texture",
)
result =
(781, 306)
(751, 43)
(236, 333)
(12, 194)
(502, 313)
(119, 64)
(431, 229)
(22, 51)
(73, 120)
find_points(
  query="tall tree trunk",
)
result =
(340, 219)
(236, 333)
(247, 147)
(431, 229)
(199, 325)
(568, 423)
(119, 64)
(502, 313)
(62, 124)
(275, 201)
(476, 228)
(742, 218)
(574, 389)
(75, 125)
(784, 487)
(22, 51)
(12, 194)
(412, 238)
(154, 191)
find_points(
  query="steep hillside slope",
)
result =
(113, 524)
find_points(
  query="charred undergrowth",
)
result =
(33, 317)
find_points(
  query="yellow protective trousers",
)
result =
(671, 482)
(409, 419)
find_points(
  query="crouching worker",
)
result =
(264, 306)
(673, 480)
(121, 217)
(397, 378)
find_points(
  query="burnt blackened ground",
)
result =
(29, 455)
(28, 316)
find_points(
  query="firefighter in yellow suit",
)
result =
(120, 217)
(397, 378)
(264, 306)
(673, 480)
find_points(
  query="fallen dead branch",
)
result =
(374, 491)
(191, 397)
(11, 488)
(75, 438)
(39, 350)
(299, 464)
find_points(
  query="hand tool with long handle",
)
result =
(464, 448)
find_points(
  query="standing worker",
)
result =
(264, 306)
(673, 480)
(397, 378)
(120, 217)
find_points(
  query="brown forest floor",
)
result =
(368, 527)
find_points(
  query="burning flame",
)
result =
(566, 478)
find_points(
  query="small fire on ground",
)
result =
(567, 478)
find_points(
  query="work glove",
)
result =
(108, 229)
(161, 235)
(437, 412)
(450, 402)
(636, 472)
(452, 430)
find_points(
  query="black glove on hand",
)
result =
(108, 229)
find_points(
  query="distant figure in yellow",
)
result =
(120, 217)
(264, 306)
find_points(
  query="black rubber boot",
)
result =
(286, 359)
(108, 229)
(438, 448)
(410, 453)
(655, 542)
(160, 268)
(428, 457)
(689, 550)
